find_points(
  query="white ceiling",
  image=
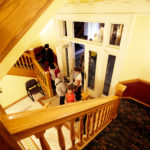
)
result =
(106, 6)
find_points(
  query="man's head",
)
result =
(46, 46)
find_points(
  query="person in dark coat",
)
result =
(47, 56)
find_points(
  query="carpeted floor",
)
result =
(129, 131)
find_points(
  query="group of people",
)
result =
(67, 93)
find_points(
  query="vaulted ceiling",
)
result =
(16, 17)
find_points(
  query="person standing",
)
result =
(78, 82)
(60, 90)
(70, 97)
(47, 56)
(52, 70)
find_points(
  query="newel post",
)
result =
(119, 89)
(44, 144)
(7, 141)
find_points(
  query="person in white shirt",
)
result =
(78, 82)
(60, 90)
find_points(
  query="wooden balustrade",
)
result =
(44, 78)
(44, 144)
(94, 115)
(27, 65)
(24, 66)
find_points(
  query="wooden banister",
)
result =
(93, 115)
(7, 141)
(23, 66)
(24, 124)
(44, 78)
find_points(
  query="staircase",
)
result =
(24, 66)
(93, 116)
(28, 66)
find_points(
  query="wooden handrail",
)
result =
(93, 116)
(44, 78)
(24, 124)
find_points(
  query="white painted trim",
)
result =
(103, 50)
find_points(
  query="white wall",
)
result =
(48, 35)
(13, 88)
(137, 61)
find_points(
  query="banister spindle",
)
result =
(102, 117)
(23, 63)
(81, 130)
(26, 62)
(97, 119)
(72, 134)
(115, 109)
(31, 62)
(110, 110)
(93, 122)
(87, 126)
(20, 62)
(61, 139)
(107, 114)
(44, 144)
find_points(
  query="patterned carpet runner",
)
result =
(129, 131)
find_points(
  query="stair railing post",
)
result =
(6, 139)
(44, 143)
(61, 139)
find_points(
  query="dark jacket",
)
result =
(47, 56)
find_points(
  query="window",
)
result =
(67, 62)
(64, 28)
(109, 72)
(89, 31)
(92, 69)
(116, 34)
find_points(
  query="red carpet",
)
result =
(138, 90)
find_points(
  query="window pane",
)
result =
(79, 54)
(92, 69)
(89, 31)
(67, 62)
(64, 28)
(109, 72)
(115, 34)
